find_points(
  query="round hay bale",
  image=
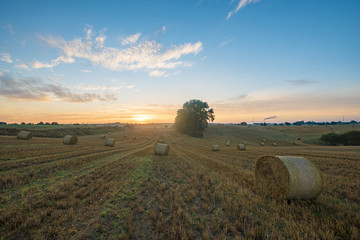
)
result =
(288, 177)
(215, 148)
(110, 142)
(161, 141)
(70, 140)
(102, 137)
(174, 142)
(295, 143)
(227, 143)
(241, 147)
(264, 140)
(24, 135)
(274, 144)
(262, 144)
(162, 149)
(245, 142)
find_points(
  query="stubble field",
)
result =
(89, 191)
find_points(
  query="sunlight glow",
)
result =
(141, 118)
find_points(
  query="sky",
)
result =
(139, 61)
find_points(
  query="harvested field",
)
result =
(90, 191)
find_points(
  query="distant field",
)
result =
(90, 191)
(59, 131)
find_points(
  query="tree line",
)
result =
(349, 138)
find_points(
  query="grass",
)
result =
(89, 191)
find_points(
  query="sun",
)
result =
(141, 118)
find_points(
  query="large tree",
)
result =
(193, 118)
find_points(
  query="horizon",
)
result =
(140, 61)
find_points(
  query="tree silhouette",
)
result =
(193, 118)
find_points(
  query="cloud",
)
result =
(226, 42)
(53, 63)
(9, 27)
(144, 55)
(85, 71)
(5, 57)
(22, 66)
(131, 39)
(37, 90)
(242, 3)
(89, 32)
(104, 88)
(301, 82)
(157, 73)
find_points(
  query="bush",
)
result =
(352, 138)
(349, 138)
(331, 138)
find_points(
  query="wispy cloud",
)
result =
(161, 30)
(21, 66)
(146, 55)
(226, 42)
(131, 39)
(241, 4)
(85, 71)
(53, 63)
(89, 32)
(157, 73)
(301, 82)
(5, 57)
(9, 28)
(104, 88)
(36, 89)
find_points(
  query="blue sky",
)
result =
(139, 61)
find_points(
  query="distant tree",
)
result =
(40, 123)
(47, 123)
(23, 123)
(243, 123)
(193, 118)
(331, 138)
(299, 123)
(28, 124)
(54, 123)
(3, 123)
(287, 123)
